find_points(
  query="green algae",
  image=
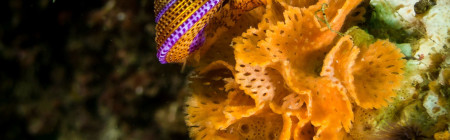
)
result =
(405, 49)
(385, 23)
(360, 37)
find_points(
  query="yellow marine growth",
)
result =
(289, 75)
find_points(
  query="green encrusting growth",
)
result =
(360, 37)
(406, 49)
(384, 23)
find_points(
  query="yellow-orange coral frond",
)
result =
(296, 126)
(295, 35)
(339, 61)
(267, 125)
(377, 72)
(297, 103)
(336, 14)
(206, 106)
(247, 49)
(304, 131)
(204, 113)
(330, 107)
(217, 65)
(297, 3)
(256, 81)
(275, 84)
(240, 105)
(329, 133)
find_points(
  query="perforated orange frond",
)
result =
(331, 108)
(339, 61)
(285, 102)
(216, 65)
(204, 115)
(247, 50)
(299, 42)
(240, 105)
(205, 108)
(263, 126)
(377, 72)
(295, 125)
(277, 89)
(257, 82)
(304, 132)
(356, 16)
(297, 3)
(285, 38)
(330, 133)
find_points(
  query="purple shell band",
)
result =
(164, 10)
(184, 27)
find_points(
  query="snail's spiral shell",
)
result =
(180, 24)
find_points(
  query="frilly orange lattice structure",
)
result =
(281, 73)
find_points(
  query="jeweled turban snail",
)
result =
(181, 23)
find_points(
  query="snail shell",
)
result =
(180, 27)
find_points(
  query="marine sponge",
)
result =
(290, 78)
(377, 70)
(340, 60)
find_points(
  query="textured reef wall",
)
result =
(301, 70)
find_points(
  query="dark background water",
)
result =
(86, 69)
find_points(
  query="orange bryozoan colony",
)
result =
(288, 75)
